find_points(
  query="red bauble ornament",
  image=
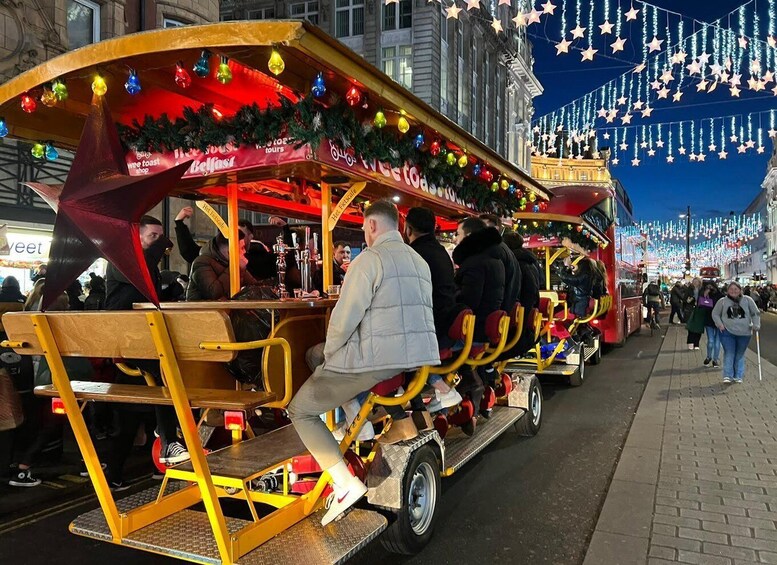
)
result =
(579, 228)
(435, 148)
(353, 96)
(182, 76)
(28, 103)
(487, 175)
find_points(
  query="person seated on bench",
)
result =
(480, 279)
(121, 295)
(580, 278)
(382, 325)
(209, 277)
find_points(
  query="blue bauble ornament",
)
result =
(319, 88)
(202, 66)
(133, 83)
(536, 208)
(3, 128)
(418, 142)
(476, 170)
(51, 153)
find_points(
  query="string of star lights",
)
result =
(719, 231)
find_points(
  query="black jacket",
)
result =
(209, 277)
(443, 282)
(120, 294)
(580, 285)
(529, 294)
(677, 296)
(187, 247)
(11, 294)
(480, 278)
(512, 275)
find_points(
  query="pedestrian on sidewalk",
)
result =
(736, 316)
(710, 296)
(676, 299)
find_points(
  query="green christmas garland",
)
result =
(577, 234)
(310, 122)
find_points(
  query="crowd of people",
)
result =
(728, 314)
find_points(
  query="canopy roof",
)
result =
(306, 51)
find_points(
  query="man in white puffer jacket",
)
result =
(382, 325)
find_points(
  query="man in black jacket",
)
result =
(209, 277)
(341, 258)
(120, 295)
(481, 286)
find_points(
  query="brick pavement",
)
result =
(697, 479)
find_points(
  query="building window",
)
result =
(500, 118)
(228, 17)
(170, 22)
(304, 11)
(398, 64)
(398, 15)
(487, 100)
(349, 18)
(444, 75)
(460, 72)
(262, 14)
(83, 23)
(474, 88)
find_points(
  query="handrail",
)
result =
(468, 329)
(519, 329)
(13, 344)
(256, 344)
(127, 370)
(504, 326)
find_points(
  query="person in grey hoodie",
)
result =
(736, 316)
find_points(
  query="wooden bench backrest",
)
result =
(124, 334)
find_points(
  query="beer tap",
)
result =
(280, 249)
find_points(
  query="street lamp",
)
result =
(687, 217)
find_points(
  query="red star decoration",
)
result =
(99, 209)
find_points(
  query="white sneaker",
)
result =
(443, 400)
(342, 499)
(367, 433)
(174, 454)
(726, 380)
(690, 346)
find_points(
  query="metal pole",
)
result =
(688, 242)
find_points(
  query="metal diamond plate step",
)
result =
(459, 448)
(187, 535)
(249, 457)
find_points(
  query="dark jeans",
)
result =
(693, 338)
(679, 312)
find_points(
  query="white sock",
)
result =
(340, 474)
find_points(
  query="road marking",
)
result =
(53, 511)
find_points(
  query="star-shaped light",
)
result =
(692, 157)
(771, 41)
(452, 12)
(712, 147)
(643, 145)
(774, 90)
(734, 91)
(496, 25)
(664, 92)
(635, 162)
(760, 85)
(606, 27)
(624, 146)
(99, 209)
(716, 69)
(602, 113)
(578, 32)
(588, 54)
(563, 46)
(520, 19)
(701, 85)
(742, 148)
(768, 76)
(639, 68)
(722, 154)
(693, 68)
(679, 58)
(655, 45)
(647, 111)
(534, 17)
(742, 42)
(547, 8)
(504, 2)
(667, 77)
(579, 157)
(606, 135)
(611, 116)
(681, 150)
(670, 159)
(750, 143)
(618, 44)
(631, 15)
(655, 85)
(725, 76)
(677, 96)
(473, 5)
(772, 132)
(660, 143)
(621, 101)
(704, 58)
(701, 157)
(638, 105)
(734, 138)
(760, 149)
(651, 152)
(626, 118)
(752, 83)
(615, 161)
(755, 66)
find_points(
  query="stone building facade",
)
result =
(769, 187)
(479, 79)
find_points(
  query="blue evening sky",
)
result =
(660, 190)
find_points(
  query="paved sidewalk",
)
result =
(697, 478)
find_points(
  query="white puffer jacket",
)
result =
(384, 317)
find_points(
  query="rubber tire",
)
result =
(399, 537)
(596, 358)
(527, 426)
(578, 377)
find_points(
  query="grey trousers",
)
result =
(324, 391)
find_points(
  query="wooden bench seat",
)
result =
(157, 395)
